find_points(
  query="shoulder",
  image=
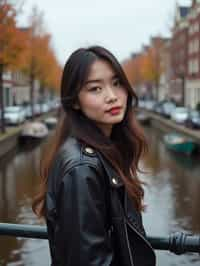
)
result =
(75, 164)
(74, 155)
(76, 158)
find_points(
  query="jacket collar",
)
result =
(114, 178)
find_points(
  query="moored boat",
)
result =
(143, 118)
(179, 143)
(50, 122)
(34, 131)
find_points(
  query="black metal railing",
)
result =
(177, 243)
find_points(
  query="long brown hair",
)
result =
(122, 149)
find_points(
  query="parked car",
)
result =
(50, 104)
(193, 120)
(149, 104)
(14, 115)
(158, 108)
(180, 115)
(36, 109)
(44, 107)
(168, 107)
(57, 104)
(27, 109)
(141, 103)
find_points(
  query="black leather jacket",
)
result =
(90, 218)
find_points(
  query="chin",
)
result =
(115, 120)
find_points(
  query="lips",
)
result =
(114, 110)
(117, 108)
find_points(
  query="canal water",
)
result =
(172, 196)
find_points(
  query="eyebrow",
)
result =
(98, 80)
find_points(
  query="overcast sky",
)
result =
(121, 26)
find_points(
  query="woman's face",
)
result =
(102, 98)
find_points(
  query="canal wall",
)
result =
(9, 140)
(168, 125)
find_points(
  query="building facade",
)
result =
(164, 91)
(185, 50)
(193, 71)
(8, 95)
(16, 89)
(179, 55)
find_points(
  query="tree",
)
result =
(145, 68)
(12, 46)
(41, 62)
(49, 70)
(32, 57)
(133, 70)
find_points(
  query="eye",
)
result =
(95, 89)
(116, 83)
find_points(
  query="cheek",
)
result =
(91, 104)
(123, 95)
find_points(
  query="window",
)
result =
(196, 65)
(190, 67)
(189, 48)
(196, 45)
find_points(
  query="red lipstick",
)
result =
(115, 110)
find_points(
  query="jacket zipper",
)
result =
(127, 240)
(132, 227)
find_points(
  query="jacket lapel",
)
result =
(113, 176)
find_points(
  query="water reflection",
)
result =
(172, 195)
(18, 180)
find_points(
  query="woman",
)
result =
(91, 197)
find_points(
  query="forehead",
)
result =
(101, 69)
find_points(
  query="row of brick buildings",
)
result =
(185, 52)
(180, 56)
(16, 89)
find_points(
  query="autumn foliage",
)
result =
(133, 70)
(145, 67)
(41, 62)
(12, 39)
(26, 49)
(12, 45)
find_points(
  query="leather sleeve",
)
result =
(81, 237)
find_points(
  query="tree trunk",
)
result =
(32, 79)
(2, 121)
(41, 96)
(157, 89)
(32, 94)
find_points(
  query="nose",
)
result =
(110, 95)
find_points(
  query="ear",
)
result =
(76, 106)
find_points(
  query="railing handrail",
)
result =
(177, 243)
